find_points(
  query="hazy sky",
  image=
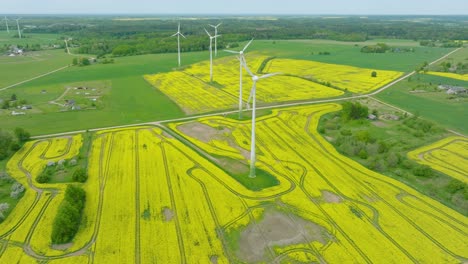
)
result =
(441, 7)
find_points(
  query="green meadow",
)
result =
(132, 100)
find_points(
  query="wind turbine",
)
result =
(6, 23)
(255, 79)
(17, 24)
(241, 58)
(216, 33)
(178, 34)
(211, 52)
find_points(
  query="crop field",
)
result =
(448, 156)
(463, 77)
(191, 88)
(29, 225)
(355, 80)
(153, 199)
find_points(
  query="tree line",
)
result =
(103, 35)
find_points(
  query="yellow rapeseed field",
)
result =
(448, 155)
(192, 91)
(353, 79)
(153, 199)
(191, 94)
(463, 77)
(374, 218)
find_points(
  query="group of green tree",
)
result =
(106, 35)
(10, 143)
(350, 130)
(12, 101)
(69, 215)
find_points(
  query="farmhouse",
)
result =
(14, 113)
(452, 89)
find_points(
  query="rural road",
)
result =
(280, 105)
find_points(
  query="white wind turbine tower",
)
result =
(17, 24)
(6, 24)
(216, 33)
(241, 59)
(178, 34)
(255, 78)
(211, 53)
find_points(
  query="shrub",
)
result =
(80, 175)
(44, 176)
(455, 185)
(3, 208)
(422, 171)
(16, 190)
(22, 134)
(346, 132)
(362, 154)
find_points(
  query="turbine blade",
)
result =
(219, 24)
(211, 25)
(174, 34)
(217, 36)
(269, 75)
(231, 51)
(207, 32)
(247, 45)
(182, 35)
(246, 67)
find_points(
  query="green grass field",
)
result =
(132, 100)
(432, 105)
(29, 38)
(20, 68)
(350, 54)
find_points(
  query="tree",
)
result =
(22, 134)
(13, 97)
(352, 111)
(75, 61)
(85, 61)
(374, 74)
(6, 139)
(80, 175)
(6, 104)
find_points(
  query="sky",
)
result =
(214, 7)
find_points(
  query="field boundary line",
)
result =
(34, 78)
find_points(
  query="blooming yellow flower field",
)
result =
(192, 90)
(353, 79)
(463, 77)
(153, 199)
(448, 155)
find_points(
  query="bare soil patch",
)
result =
(168, 214)
(379, 124)
(206, 133)
(201, 131)
(214, 259)
(61, 247)
(330, 197)
(277, 229)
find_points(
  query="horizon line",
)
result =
(239, 14)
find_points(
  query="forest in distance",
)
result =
(133, 35)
